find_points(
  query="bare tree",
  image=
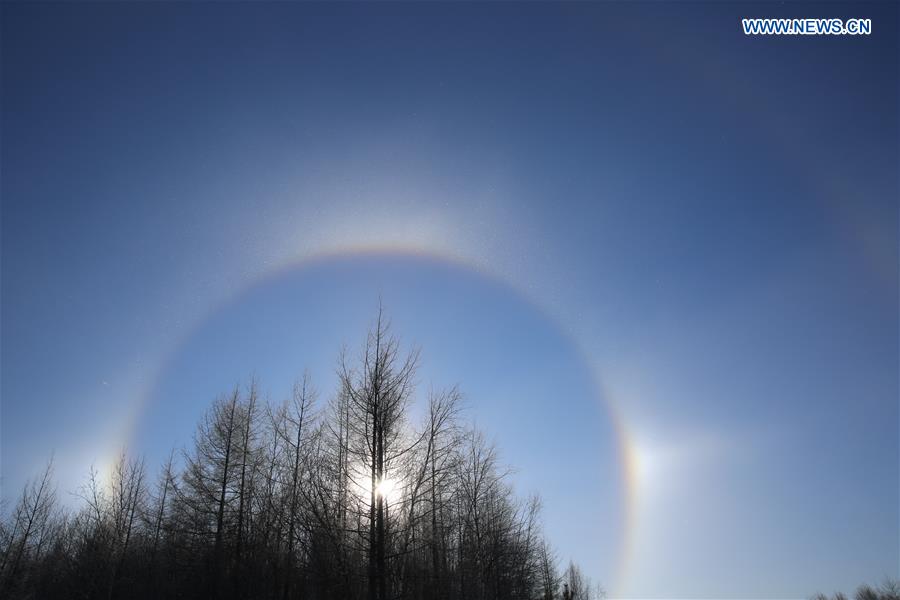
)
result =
(549, 576)
(126, 502)
(890, 589)
(210, 479)
(379, 392)
(289, 427)
(30, 523)
(351, 501)
(579, 584)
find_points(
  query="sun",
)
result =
(390, 489)
(387, 489)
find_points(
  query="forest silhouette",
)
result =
(343, 499)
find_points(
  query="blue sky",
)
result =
(581, 211)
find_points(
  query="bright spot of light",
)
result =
(386, 489)
(645, 463)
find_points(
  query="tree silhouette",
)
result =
(348, 501)
(888, 590)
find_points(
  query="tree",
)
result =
(580, 586)
(378, 392)
(288, 426)
(210, 480)
(126, 502)
(27, 537)
(348, 502)
(549, 576)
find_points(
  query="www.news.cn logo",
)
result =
(807, 26)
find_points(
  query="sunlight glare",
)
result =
(386, 489)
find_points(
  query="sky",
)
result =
(659, 257)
